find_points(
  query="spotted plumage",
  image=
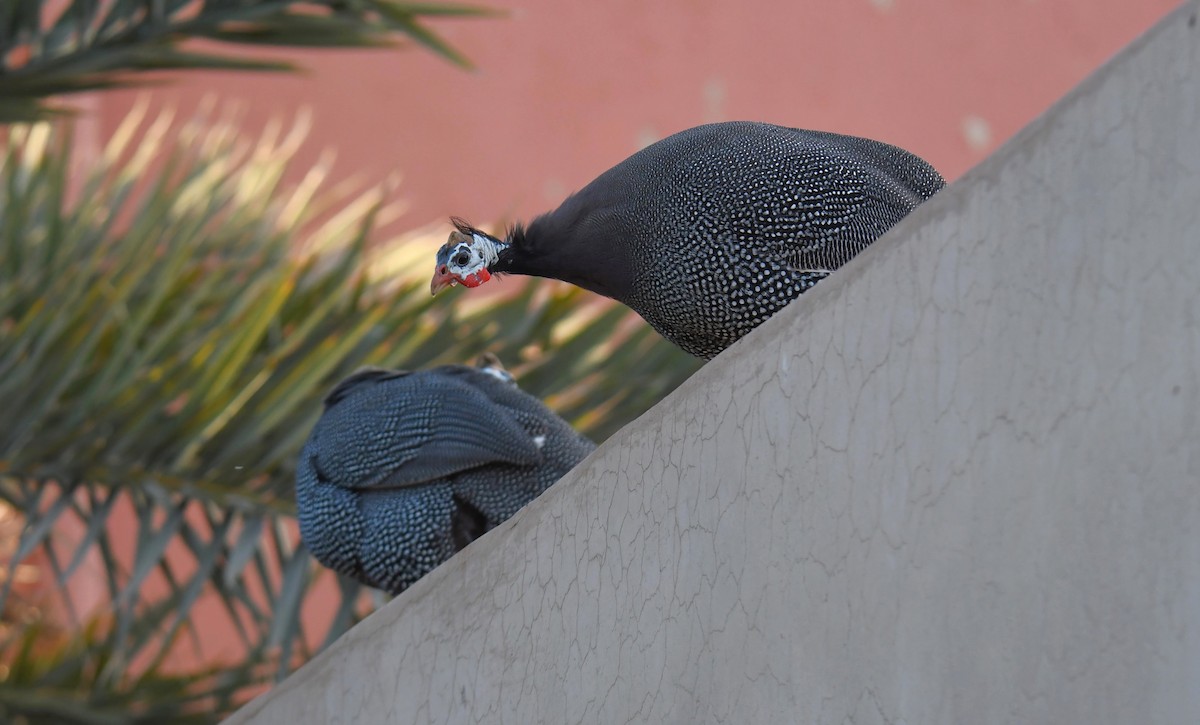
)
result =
(709, 232)
(403, 469)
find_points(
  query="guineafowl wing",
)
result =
(404, 430)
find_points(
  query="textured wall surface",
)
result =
(958, 482)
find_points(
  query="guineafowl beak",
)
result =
(441, 280)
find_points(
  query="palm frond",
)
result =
(50, 48)
(169, 323)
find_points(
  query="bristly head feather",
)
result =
(464, 226)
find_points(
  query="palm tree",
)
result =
(169, 321)
(49, 47)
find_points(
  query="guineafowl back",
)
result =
(709, 232)
(404, 469)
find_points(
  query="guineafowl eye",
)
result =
(726, 204)
(462, 259)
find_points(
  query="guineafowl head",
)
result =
(489, 363)
(465, 258)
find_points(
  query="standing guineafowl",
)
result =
(709, 232)
(403, 469)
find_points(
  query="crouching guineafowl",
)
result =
(708, 232)
(403, 469)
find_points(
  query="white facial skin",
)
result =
(467, 258)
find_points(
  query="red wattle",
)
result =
(476, 279)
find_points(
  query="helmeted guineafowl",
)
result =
(403, 469)
(708, 232)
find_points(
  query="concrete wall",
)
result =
(957, 483)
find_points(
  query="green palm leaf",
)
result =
(168, 326)
(49, 48)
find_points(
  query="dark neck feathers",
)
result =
(571, 251)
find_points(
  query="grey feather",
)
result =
(447, 425)
(404, 469)
(709, 232)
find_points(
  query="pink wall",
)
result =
(564, 89)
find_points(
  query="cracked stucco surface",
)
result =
(958, 482)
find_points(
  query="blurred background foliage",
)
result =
(171, 314)
(54, 47)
